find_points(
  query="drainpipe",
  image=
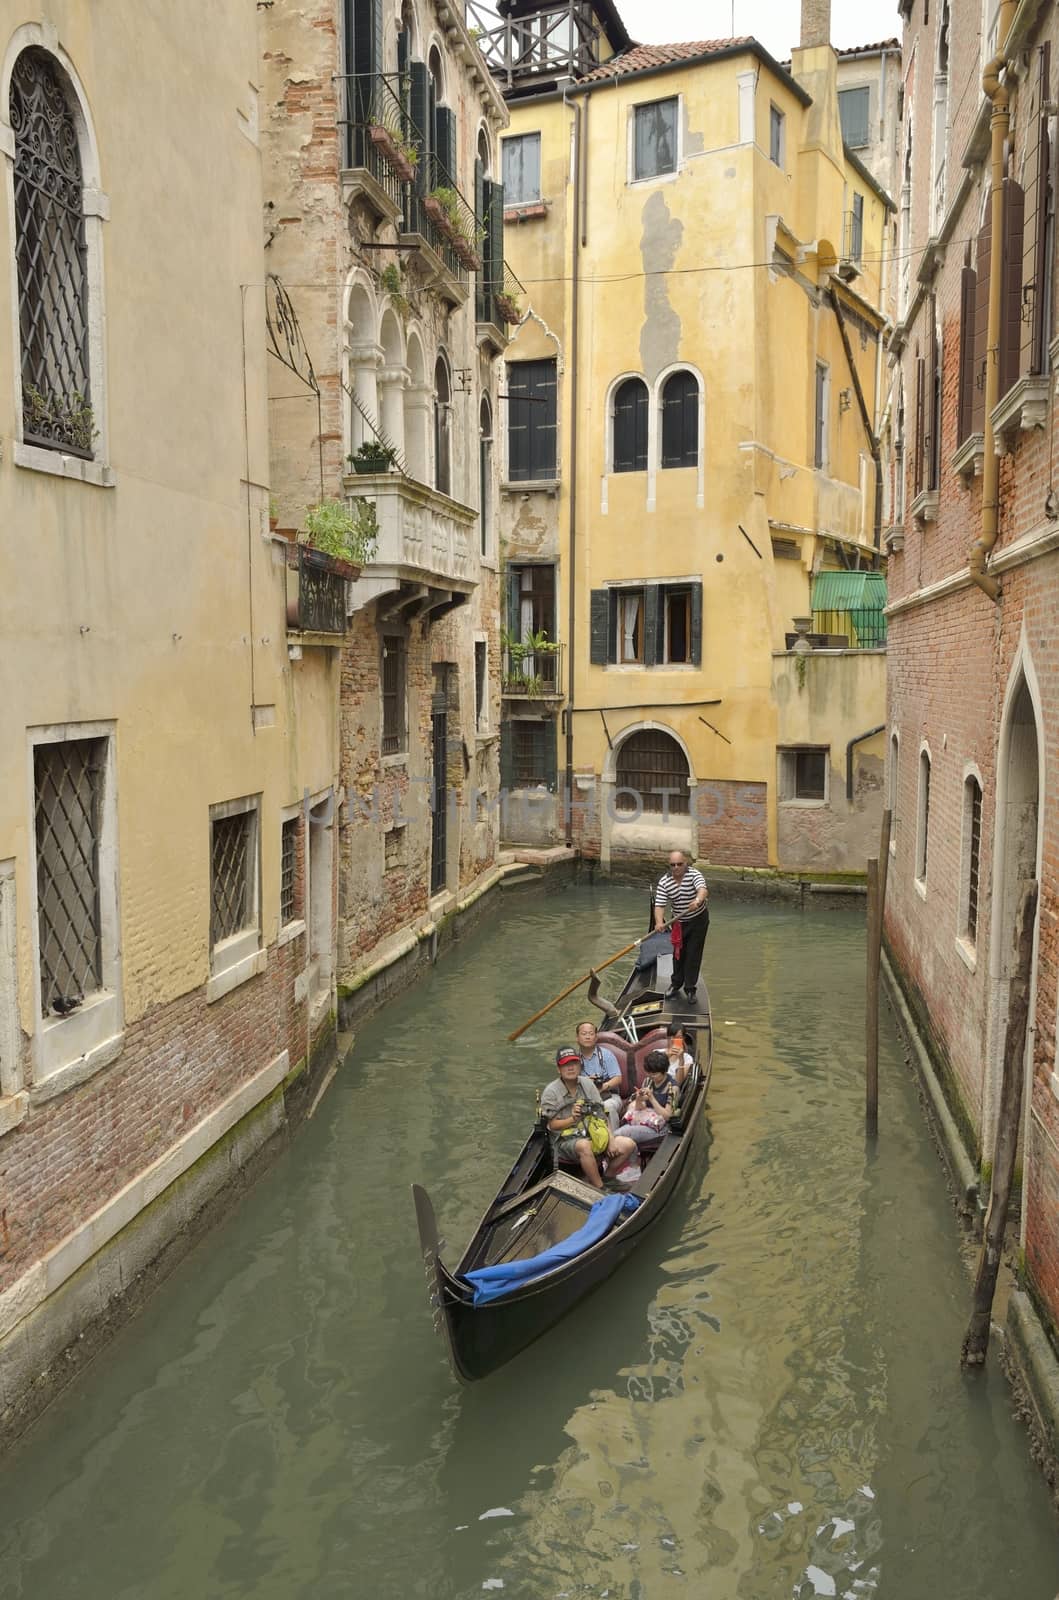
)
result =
(857, 739)
(997, 92)
(575, 254)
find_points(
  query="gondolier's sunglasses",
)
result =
(674, 866)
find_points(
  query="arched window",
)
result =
(630, 426)
(895, 754)
(51, 259)
(680, 420)
(923, 817)
(972, 858)
(442, 427)
(485, 469)
(653, 769)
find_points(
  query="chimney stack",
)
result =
(816, 23)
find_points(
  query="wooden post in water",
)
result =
(976, 1339)
(877, 870)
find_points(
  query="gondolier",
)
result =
(682, 889)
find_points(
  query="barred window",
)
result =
(972, 823)
(652, 774)
(68, 819)
(923, 817)
(288, 871)
(393, 694)
(233, 882)
(51, 260)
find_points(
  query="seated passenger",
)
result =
(654, 1102)
(601, 1065)
(681, 1060)
(565, 1104)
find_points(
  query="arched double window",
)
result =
(51, 259)
(680, 420)
(630, 426)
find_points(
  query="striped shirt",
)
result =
(679, 895)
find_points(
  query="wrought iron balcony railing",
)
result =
(500, 297)
(531, 674)
(316, 591)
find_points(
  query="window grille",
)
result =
(680, 420)
(393, 675)
(531, 763)
(68, 817)
(50, 255)
(232, 907)
(288, 903)
(648, 762)
(803, 772)
(973, 858)
(655, 139)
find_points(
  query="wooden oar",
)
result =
(576, 985)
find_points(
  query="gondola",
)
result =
(554, 1231)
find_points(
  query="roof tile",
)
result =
(641, 57)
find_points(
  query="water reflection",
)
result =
(766, 1401)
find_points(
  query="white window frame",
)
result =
(96, 208)
(921, 864)
(966, 947)
(787, 776)
(658, 177)
(68, 1050)
(241, 955)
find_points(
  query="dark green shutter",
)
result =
(1011, 291)
(514, 588)
(550, 764)
(419, 94)
(445, 123)
(654, 626)
(965, 392)
(599, 627)
(479, 212)
(507, 760)
(696, 624)
(496, 236)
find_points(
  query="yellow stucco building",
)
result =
(691, 404)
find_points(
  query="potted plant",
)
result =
(345, 531)
(522, 674)
(401, 157)
(442, 207)
(372, 456)
(508, 308)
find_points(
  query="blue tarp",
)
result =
(492, 1283)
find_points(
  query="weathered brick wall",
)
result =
(733, 822)
(72, 1154)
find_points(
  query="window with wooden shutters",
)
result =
(531, 600)
(393, 694)
(917, 460)
(965, 397)
(932, 404)
(652, 774)
(658, 624)
(680, 420)
(853, 114)
(981, 319)
(1039, 224)
(531, 420)
(630, 426)
(522, 168)
(1011, 287)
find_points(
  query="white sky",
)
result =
(774, 22)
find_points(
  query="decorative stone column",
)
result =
(364, 360)
(418, 412)
(392, 382)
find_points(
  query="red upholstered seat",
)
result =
(622, 1050)
(655, 1040)
(631, 1056)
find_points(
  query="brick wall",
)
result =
(733, 822)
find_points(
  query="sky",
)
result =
(774, 22)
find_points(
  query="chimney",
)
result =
(816, 23)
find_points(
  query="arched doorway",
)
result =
(647, 782)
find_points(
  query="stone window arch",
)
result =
(418, 409)
(363, 358)
(57, 208)
(630, 411)
(679, 403)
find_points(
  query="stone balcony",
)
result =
(427, 551)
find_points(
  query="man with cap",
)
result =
(565, 1103)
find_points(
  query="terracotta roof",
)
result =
(869, 49)
(641, 57)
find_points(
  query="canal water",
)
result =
(766, 1402)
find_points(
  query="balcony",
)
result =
(316, 596)
(499, 303)
(427, 547)
(528, 674)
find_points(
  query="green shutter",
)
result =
(445, 123)
(696, 624)
(599, 627)
(654, 627)
(507, 763)
(496, 236)
(550, 767)
(419, 110)
(514, 586)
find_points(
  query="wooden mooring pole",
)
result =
(1009, 1117)
(877, 870)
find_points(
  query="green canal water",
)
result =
(766, 1402)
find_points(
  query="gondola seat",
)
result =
(628, 1054)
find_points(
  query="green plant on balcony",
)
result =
(387, 134)
(391, 280)
(372, 456)
(347, 530)
(519, 653)
(67, 420)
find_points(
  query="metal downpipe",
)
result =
(571, 564)
(999, 123)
